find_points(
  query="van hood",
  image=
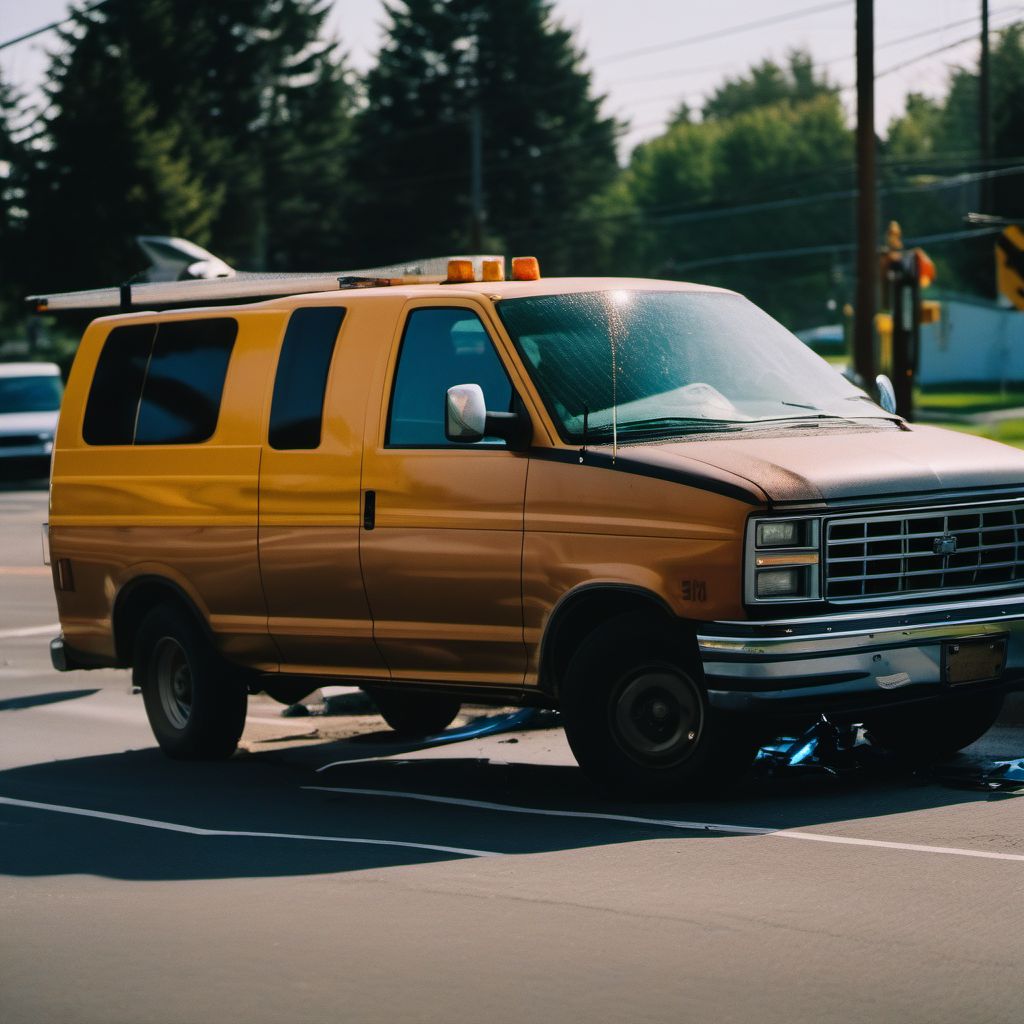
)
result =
(841, 465)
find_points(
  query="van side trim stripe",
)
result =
(624, 464)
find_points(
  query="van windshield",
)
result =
(646, 362)
(29, 394)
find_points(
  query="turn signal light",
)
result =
(925, 268)
(460, 271)
(525, 268)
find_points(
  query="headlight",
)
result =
(783, 560)
(786, 533)
(780, 583)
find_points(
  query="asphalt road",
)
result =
(135, 889)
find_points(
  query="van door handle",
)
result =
(369, 510)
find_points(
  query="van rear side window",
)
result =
(117, 384)
(297, 412)
(184, 382)
(159, 383)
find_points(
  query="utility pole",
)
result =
(984, 111)
(867, 257)
(476, 179)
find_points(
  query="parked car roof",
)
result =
(29, 370)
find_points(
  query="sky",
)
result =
(645, 88)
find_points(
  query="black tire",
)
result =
(416, 714)
(637, 717)
(937, 730)
(194, 700)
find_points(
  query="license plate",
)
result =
(974, 661)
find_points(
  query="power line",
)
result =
(931, 53)
(836, 60)
(831, 61)
(723, 32)
(1015, 9)
(834, 248)
(53, 24)
(823, 197)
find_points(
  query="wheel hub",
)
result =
(658, 716)
(173, 676)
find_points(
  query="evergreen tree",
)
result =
(546, 149)
(226, 123)
(13, 158)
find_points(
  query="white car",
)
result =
(30, 395)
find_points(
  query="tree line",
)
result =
(241, 126)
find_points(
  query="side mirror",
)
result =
(886, 393)
(466, 419)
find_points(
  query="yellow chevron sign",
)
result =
(1010, 265)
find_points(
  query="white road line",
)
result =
(690, 826)
(9, 634)
(192, 830)
(376, 757)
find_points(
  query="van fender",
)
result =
(581, 610)
(145, 586)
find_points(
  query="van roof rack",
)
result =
(244, 287)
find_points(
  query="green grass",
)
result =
(1009, 432)
(961, 402)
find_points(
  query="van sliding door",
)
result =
(310, 501)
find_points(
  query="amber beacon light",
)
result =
(494, 270)
(525, 268)
(460, 271)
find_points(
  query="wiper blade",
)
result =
(689, 424)
(799, 419)
(660, 420)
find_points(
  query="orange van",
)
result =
(644, 503)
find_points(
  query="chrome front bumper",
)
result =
(853, 660)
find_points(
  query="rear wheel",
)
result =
(194, 700)
(936, 730)
(416, 714)
(637, 716)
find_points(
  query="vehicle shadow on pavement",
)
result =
(39, 699)
(313, 830)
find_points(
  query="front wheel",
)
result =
(637, 715)
(934, 731)
(195, 702)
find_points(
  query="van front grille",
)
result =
(924, 552)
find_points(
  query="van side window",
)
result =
(117, 385)
(297, 410)
(182, 391)
(442, 348)
(159, 383)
